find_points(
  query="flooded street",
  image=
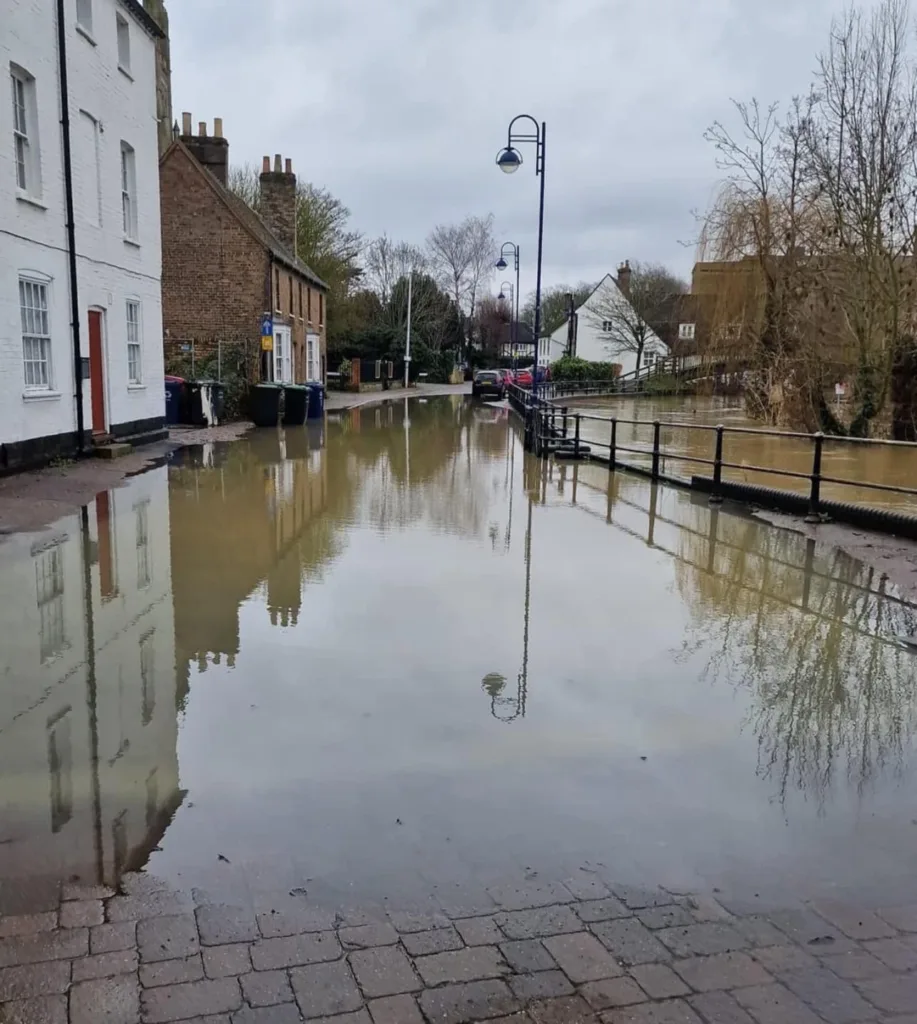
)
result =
(873, 464)
(396, 654)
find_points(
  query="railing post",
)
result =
(576, 437)
(815, 492)
(564, 411)
(612, 451)
(657, 426)
(715, 497)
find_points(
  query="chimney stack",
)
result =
(211, 151)
(624, 278)
(278, 200)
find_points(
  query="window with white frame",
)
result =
(49, 587)
(129, 190)
(134, 343)
(36, 334)
(26, 158)
(84, 14)
(124, 43)
(607, 326)
(283, 356)
(313, 358)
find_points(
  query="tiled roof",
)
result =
(249, 220)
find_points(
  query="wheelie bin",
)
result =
(264, 404)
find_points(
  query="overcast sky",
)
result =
(400, 108)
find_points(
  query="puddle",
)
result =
(395, 653)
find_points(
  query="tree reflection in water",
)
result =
(810, 633)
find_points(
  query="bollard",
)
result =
(613, 452)
(656, 430)
(715, 497)
(815, 492)
(576, 437)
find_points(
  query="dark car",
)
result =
(488, 384)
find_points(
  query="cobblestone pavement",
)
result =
(537, 952)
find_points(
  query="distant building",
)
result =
(80, 312)
(601, 341)
(225, 267)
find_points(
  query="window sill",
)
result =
(86, 34)
(132, 242)
(40, 396)
(126, 72)
(136, 387)
(25, 197)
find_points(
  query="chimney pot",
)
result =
(218, 127)
(186, 123)
(266, 165)
(278, 163)
(278, 200)
(202, 129)
(289, 166)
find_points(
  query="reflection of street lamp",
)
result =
(504, 287)
(511, 249)
(509, 160)
(494, 683)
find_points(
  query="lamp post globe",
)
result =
(500, 264)
(501, 297)
(509, 160)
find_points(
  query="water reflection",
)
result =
(88, 764)
(322, 626)
(810, 633)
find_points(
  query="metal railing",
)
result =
(554, 428)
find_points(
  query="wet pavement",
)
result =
(394, 662)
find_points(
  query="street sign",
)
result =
(267, 342)
(267, 326)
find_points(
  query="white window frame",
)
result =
(133, 318)
(123, 28)
(84, 16)
(313, 358)
(129, 191)
(35, 319)
(283, 355)
(26, 152)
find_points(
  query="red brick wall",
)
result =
(214, 274)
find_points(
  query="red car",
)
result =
(508, 377)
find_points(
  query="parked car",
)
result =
(524, 377)
(508, 377)
(488, 383)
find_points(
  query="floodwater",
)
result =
(396, 654)
(685, 444)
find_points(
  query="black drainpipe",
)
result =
(71, 227)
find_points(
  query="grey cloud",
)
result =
(400, 108)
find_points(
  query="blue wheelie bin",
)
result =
(316, 400)
(176, 399)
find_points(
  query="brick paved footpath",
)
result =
(545, 953)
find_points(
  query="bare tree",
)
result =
(627, 319)
(863, 150)
(386, 262)
(461, 258)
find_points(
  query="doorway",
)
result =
(97, 371)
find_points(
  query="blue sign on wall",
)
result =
(267, 326)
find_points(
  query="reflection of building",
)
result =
(252, 513)
(88, 760)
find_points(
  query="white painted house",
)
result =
(599, 339)
(103, 277)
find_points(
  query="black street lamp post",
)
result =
(509, 160)
(504, 287)
(510, 248)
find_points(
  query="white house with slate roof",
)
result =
(598, 340)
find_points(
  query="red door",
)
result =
(96, 373)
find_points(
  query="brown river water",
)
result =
(864, 463)
(395, 653)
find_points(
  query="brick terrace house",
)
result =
(225, 266)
